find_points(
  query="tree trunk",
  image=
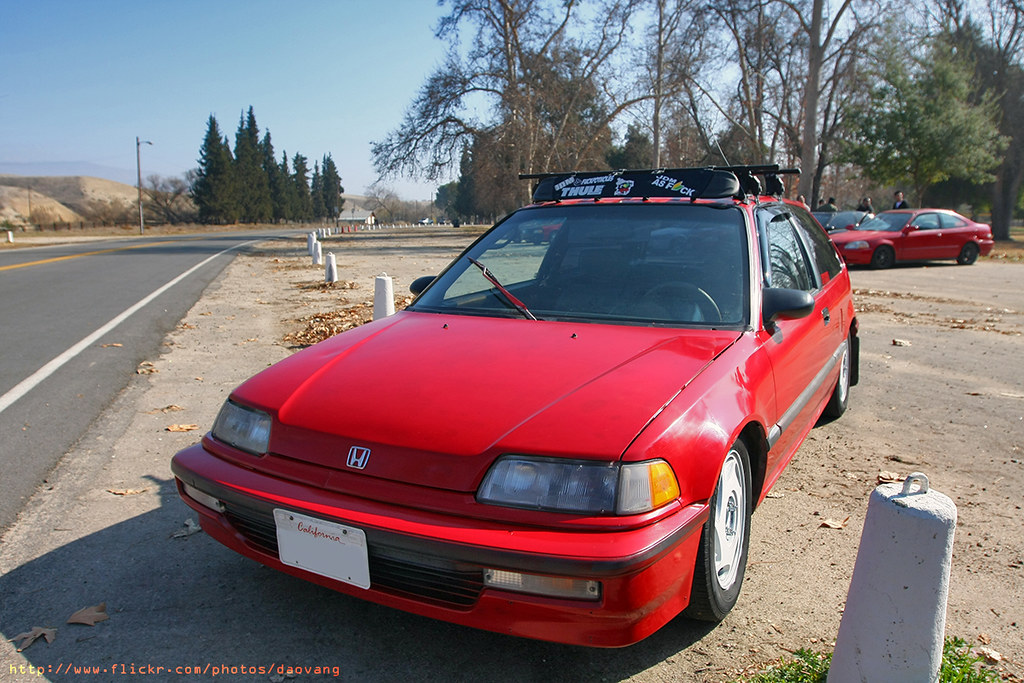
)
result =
(815, 59)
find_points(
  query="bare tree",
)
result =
(544, 74)
(168, 200)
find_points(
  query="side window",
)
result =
(787, 261)
(823, 253)
(927, 221)
(949, 221)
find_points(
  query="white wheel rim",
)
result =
(844, 374)
(730, 520)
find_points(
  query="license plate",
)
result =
(325, 548)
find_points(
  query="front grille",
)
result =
(431, 578)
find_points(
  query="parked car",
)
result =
(562, 440)
(914, 235)
(841, 220)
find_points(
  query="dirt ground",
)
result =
(941, 392)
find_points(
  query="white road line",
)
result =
(31, 382)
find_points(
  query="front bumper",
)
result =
(433, 565)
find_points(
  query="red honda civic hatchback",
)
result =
(914, 235)
(561, 439)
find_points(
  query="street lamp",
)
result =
(138, 168)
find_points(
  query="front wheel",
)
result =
(724, 539)
(884, 257)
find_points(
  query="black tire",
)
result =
(840, 398)
(724, 541)
(968, 254)
(884, 257)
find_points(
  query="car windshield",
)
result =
(888, 222)
(671, 264)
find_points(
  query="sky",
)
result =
(80, 79)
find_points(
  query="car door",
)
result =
(926, 242)
(803, 351)
(956, 232)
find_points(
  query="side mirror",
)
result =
(785, 304)
(420, 283)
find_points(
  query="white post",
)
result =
(383, 296)
(331, 269)
(10, 237)
(894, 623)
(310, 241)
(318, 254)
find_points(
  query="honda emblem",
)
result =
(358, 456)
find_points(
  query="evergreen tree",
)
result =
(253, 186)
(332, 189)
(214, 189)
(317, 192)
(303, 203)
(277, 180)
(636, 152)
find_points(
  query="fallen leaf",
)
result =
(888, 477)
(984, 639)
(990, 655)
(833, 524)
(146, 368)
(190, 528)
(30, 637)
(182, 428)
(900, 342)
(90, 615)
(127, 492)
(114, 344)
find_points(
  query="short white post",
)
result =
(383, 296)
(331, 268)
(318, 254)
(10, 237)
(310, 241)
(894, 623)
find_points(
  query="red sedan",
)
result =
(561, 440)
(914, 235)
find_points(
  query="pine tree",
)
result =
(317, 192)
(213, 190)
(277, 179)
(254, 188)
(303, 204)
(332, 189)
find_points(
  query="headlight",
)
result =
(578, 485)
(857, 244)
(244, 428)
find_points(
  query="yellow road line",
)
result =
(89, 253)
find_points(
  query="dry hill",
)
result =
(61, 198)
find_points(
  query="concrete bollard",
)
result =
(318, 254)
(310, 241)
(895, 619)
(383, 296)
(331, 268)
(10, 237)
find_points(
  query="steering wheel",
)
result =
(684, 301)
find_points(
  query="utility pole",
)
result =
(138, 168)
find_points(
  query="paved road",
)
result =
(76, 320)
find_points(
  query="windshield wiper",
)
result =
(512, 299)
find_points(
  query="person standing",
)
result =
(865, 205)
(900, 202)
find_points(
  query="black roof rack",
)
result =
(706, 182)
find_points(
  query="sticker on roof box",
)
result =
(583, 187)
(623, 188)
(674, 185)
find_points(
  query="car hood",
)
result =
(437, 397)
(853, 234)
